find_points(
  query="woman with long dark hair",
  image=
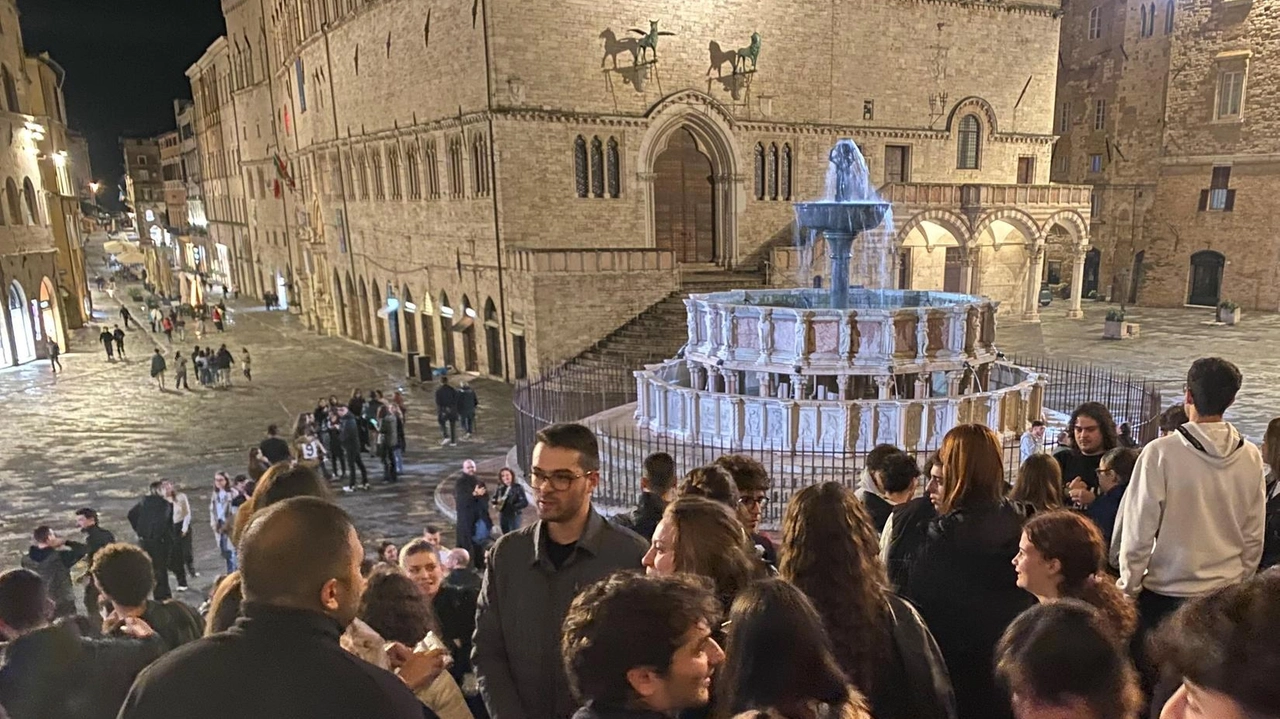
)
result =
(704, 537)
(1063, 660)
(963, 582)
(1061, 556)
(779, 662)
(1039, 484)
(510, 500)
(830, 552)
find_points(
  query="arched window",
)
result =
(1168, 18)
(970, 137)
(33, 206)
(414, 165)
(1151, 20)
(480, 164)
(759, 174)
(771, 176)
(457, 178)
(580, 166)
(362, 176)
(786, 172)
(393, 170)
(379, 181)
(1142, 28)
(10, 90)
(431, 162)
(597, 167)
(611, 159)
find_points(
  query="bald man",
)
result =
(300, 568)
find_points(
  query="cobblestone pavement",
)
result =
(1170, 340)
(99, 433)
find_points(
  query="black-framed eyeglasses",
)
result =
(560, 480)
(753, 501)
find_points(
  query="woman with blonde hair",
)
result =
(704, 537)
(1062, 556)
(1039, 485)
(830, 552)
(963, 581)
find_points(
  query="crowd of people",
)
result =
(938, 591)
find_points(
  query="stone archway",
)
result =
(340, 305)
(688, 163)
(409, 313)
(24, 343)
(50, 316)
(365, 333)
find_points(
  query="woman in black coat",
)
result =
(963, 582)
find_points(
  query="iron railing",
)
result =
(578, 390)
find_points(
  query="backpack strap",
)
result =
(1191, 439)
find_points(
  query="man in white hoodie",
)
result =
(1192, 519)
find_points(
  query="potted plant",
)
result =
(135, 294)
(1113, 329)
(1228, 312)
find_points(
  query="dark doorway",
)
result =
(1092, 263)
(492, 338)
(409, 313)
(1206, 278)
(393, 318)
(953, 274)
(1135, 280)
(684, 201)
(1026, 170)
(897, 163)
(364, 312)
(469, 336)
(518, 357)
(904, 270)
(447, 357)
(342, 304)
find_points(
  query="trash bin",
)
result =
(411, 362)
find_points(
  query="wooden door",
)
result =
(897, 163)
(1206, 278)
(953, 272)
(684, 201)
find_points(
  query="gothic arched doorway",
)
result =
(1135, 279)
(492, 338)
(341, 304)
(393, 317)
(468, 325)
(409, 311)
(684, 206)
(447, 358)
(364, 313)
(1092, 264)
(1206, 278)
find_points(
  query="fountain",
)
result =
(801, 376)
(851, 209)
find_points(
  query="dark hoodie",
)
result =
(57, 673)
(591, 711)
(966, 589)
(54, 567)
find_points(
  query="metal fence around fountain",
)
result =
(577, 391)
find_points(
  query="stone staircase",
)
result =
(660, 331)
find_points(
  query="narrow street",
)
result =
(99, 433)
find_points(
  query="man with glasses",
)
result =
(753, 485)
(1091, 433)
(535, 572)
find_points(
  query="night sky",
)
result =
(125, 63)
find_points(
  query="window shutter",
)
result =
(1204, 200)
(1230, 205)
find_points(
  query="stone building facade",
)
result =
(497, 186)
(31, 165)
(1171, 110)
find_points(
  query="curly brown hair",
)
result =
(747, 472)
(1078, 546)
(711, 542)
(394, 607)
(830, 551)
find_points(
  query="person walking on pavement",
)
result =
(467, 404)
(245, 361)
(389, 442)
(183, 555)
(152, 520)
(349, 438)
(95, 538)
(126, 317)
(180, 371)
(158, 368)
(224, 362)
(166, 324)
(447, 400)
(155, 316)
(356, 407)
(118, 336)
(108, 343)
(54, 353)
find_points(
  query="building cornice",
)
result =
(1261, 158)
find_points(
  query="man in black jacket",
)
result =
(52, 558)
(300, 568)
(349, 439)
(273, 447)
(58, 671)
(657, 485)
(152, 520)
(95, 538)
(447, 406)
(464, 487)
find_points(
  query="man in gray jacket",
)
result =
(535, 572)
